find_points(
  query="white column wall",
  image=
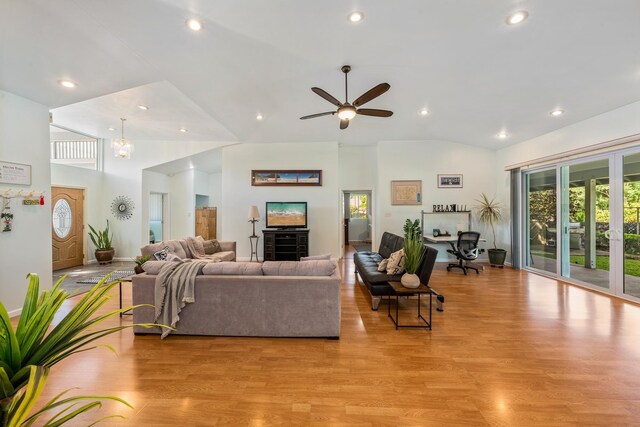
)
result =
(24, 138)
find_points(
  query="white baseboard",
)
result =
(14, 313)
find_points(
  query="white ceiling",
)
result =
(459, 59)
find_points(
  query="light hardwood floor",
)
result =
(510, 349)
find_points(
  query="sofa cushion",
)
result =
(153, 267)
(390, 243)
(223, 256)
(311, 258)
(149, 250)
(211, 247)
(295, 268)
(233, 269)
(396, 262)
(176, 247)
(161, 255)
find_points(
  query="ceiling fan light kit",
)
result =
(347, 111)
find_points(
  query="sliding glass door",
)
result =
(586, 222)
(541, 221)
(582, 221)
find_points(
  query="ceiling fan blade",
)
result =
(371, 94)
(326, 96)
(344, 124)
(311, 116)
(374, 112)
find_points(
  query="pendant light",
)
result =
(122, 147)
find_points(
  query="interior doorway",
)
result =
(357, 219)
(158, 212)
(68, 227)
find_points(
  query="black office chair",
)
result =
(466, 250)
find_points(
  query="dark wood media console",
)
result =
(285, 245)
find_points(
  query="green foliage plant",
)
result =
(102, 240)
(489, 213)
(413, 248)
(36, 344)
(141, 259)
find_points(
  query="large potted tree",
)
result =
(102, 240)
(489, 214)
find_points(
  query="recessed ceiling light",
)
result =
(143, 107)
(424, 112)
(112, 129)
(194, 24)
(518, 17)
(259, 117)
(68, 84)
(503, 135)
(557, 112)
(355, 17)
(183, 130)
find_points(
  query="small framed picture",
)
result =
(449, 180)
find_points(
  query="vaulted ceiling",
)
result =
(475, 74)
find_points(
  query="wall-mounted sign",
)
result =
(15, 173)
(31, 202)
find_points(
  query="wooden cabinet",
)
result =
(206, 223)
(285, 245)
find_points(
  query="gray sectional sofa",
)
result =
(272, 299)
(180, 248)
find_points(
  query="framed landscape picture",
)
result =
(406, 192)
(286, 177)
(449, 180)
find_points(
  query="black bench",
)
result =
(377, 282)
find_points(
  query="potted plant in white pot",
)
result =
(490, 213)
(102, 240)
(413, 254)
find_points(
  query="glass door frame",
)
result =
(616, 220)
(526, 229)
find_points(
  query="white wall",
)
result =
(358, 167)
(24, 138)
(182, 205)
(424, 160)
(238, 194)
(91, 182)
(215, 197)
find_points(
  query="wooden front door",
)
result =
(68, 227)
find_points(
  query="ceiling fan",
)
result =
(347, 111)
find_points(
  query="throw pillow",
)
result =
(316, 257)
(211, 247)
(162, 254)
(396, 262)
(383, 265)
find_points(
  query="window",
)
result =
(73, 149)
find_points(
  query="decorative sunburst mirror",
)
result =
(122, 208)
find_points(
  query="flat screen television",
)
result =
(286, 215)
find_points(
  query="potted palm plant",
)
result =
(413, 254)
(39, 342)
(489, 214)
(102, 240)
(139, 260)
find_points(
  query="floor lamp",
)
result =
(253, 218)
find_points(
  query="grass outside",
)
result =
(631, 266)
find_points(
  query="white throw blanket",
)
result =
(174, 288)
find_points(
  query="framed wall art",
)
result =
(15, 173)
(449, 180)
(406, 192)
(286, 177)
